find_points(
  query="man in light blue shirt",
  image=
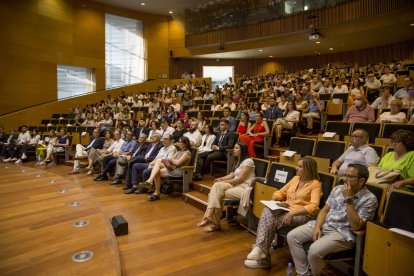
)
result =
(358, 153)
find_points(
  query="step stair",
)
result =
(196, 199)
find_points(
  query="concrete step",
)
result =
(196, 199)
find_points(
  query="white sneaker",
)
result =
(42, 163)
(19, 161)
(13, 159)
(257, 258)
(24, 156)
(7, 160)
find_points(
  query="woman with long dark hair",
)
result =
(244, 123)
(230, 186)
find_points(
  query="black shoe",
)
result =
(116, 182)
(130, 191)
(102, 178)
(98, 177)
(154, 197)
(141, 190)
(197, 177)
(126, 187)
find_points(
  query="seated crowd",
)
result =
(167, 138)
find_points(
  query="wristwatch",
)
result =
(349, 200)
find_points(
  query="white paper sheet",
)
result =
(274, 205)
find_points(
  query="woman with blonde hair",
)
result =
(301, 195)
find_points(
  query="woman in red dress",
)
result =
(256, 134)
(244, 124)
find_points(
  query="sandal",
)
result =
(212, 228)
(154, 197)
(204, 222)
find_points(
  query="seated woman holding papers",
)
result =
(301, 196)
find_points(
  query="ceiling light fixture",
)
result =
(142, 4)
(260, 50)
(412, 25)
(270, 56)
(317, 42)
(330, 49)
(170, 12)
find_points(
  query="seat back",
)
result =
(373, 129)
(280, 174)
(329, 149)
(380, 150)
(327, 182)
(389, 129)
(341, 128)
(303, 146)
(261, 167)
(399, 210)
(380, 193)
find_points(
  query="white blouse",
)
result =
(247, 162)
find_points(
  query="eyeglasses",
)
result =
(357, 136)
(349, 176)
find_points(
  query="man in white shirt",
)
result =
(230, 104)
(114, 149)
(175, 105)
(385, 100)
(388, 77)
(372, 82)
(193, 134)
(22, 140)
(166, 129)
(208, 95)
(165, 152)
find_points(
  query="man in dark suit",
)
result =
(82, 152)
(146, 157)
(224, 140)
(273, 112)
(122, 160)
(141, 129)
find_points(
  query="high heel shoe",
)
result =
(204, 222)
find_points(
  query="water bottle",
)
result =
(289, 271)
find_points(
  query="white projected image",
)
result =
(219, 74)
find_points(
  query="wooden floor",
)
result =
(163, 237)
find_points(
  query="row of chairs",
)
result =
(375, 130)
(266, 184)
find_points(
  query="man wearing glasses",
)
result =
(347, 209)
(358, 153)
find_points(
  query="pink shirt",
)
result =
(355, 116)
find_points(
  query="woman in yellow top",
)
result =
(301, 195)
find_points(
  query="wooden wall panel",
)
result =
(252, 67)
(350, 10)
(36, 35)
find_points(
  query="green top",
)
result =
(405, 164)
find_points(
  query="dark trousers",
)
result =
(128, 174)
(109, 162)
(136, 169)
(205, 159)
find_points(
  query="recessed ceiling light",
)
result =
(170, 12)
(412, 25)
(330, 49)
(142, 4)
(317, 42)
(260, 50)
(270, 56)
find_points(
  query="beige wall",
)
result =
(36, 35)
